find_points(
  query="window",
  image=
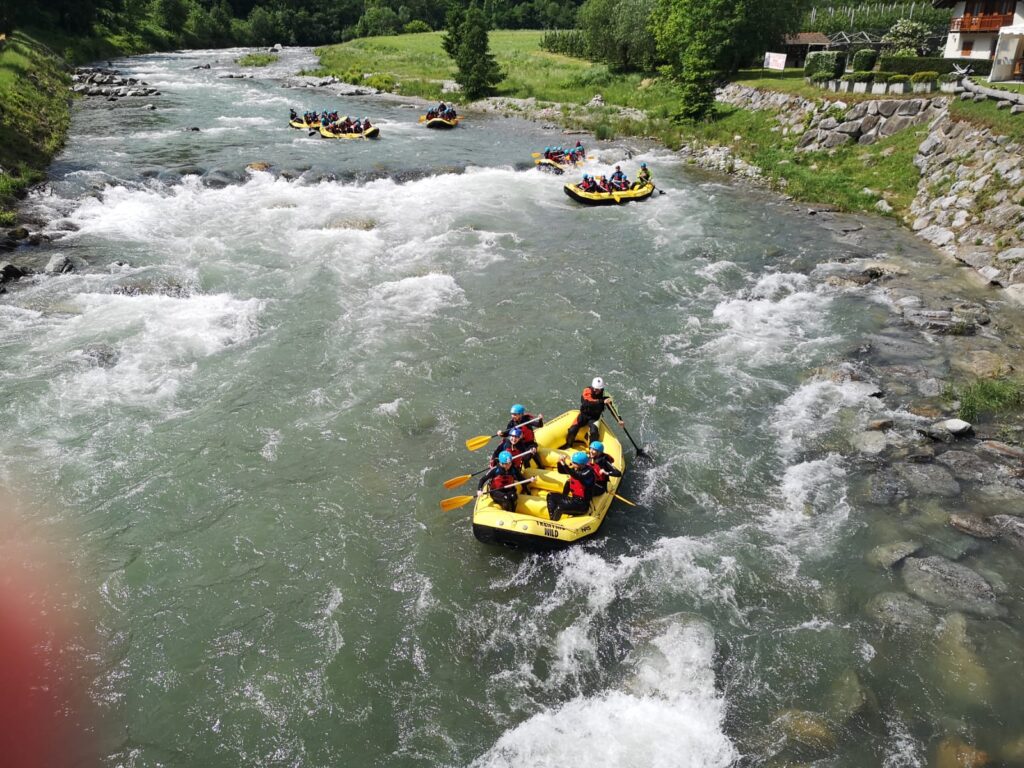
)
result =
(966, 47)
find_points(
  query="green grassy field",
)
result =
(419, 66)
(34, 117)
(986, 115)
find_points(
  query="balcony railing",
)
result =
(989, 22)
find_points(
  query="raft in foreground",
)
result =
(609, 198)
(530, 525)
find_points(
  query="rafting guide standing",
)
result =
(593, 401)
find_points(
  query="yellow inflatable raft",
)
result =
(440, 122)
(302, 124)
(370, 133)
(609, 198)
(530, 526)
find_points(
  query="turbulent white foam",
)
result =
(668, 715)
(780, 317)
(411, 300)
(810, 413)
(245, 121)
(813, 507)
(157, 340)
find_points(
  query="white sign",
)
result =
(774, 61)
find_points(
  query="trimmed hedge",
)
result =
(821, 77)
(832, 63)
(924, 77)
(908, 65)
(896, 79)
(864, 59)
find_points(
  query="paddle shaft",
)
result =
(455, 482)
(639, 451)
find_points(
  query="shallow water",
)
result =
(236, 420)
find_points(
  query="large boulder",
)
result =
(950, 585)
(888, 555)
(928, 479)
(898, 613)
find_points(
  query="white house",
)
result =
(987, 29)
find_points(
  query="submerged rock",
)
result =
(967, 466)
(1010, 528)
(963, 675)
(953, 753)
(899, 613)
(889, 555)
(887, 488)
(847, 697)
(950, 585)
(975, 526)
(59, 264)
(806, 729)
(928, 479)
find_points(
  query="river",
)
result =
(234, 419)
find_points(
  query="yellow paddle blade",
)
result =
(455, 482)
(475, 443)
(625, 500)
(535, 154)
(423, 118)
(455, 502)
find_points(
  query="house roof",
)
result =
(806, 38)
(943, 3)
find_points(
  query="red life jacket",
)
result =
(527, 436)
(600, 476)
(502, 479)
(580, 489)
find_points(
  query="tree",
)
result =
(478, 72)
(378, 20)
(618, 33)
(174, 14)
(908, 34)
(453, 21)
(703, 40)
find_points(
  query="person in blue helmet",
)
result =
(603, 466)
(513, 444)
(578, 489)
(588, 184)
(499, 478)
(618, 180)
(643, 176)
(526, 423)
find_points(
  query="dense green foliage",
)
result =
(910, 65)
(865, 58)
(256, 59)
(907, 34)
(704, 40)
(830, 63)
(872, 16)
(34, 116)
(568, 42)
(618, 33)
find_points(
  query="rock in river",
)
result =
(950, 585)
(928, 479)
(967, 466)
(900, 613)
(889, 555)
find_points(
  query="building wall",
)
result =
(982, 49)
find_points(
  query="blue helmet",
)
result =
(547, 149)
(504, 457)
(515, 432)
(517, 410)
(579, 458)
(643, 165)
(597, 445)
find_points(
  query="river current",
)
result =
(234, 417)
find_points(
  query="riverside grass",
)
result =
(256, 59)
(35, 116)
(986, 397)
(419, 66)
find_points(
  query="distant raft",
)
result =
(302, 124)
(609, 198)
(530, 526)
(370, 133)
(441, 122)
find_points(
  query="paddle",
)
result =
(622, 499)
(423, 119)
(480, 441)
(639, 451)
(455, 482)
(460, 501)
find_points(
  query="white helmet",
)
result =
(597, 383)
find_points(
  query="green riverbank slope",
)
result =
(638, 105)
(34, 116)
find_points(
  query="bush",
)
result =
(924, 77)
(831, 63)
(864, 59)
(848, 78)
(881, 77)
(950, 77)
(987, 396)
(381, 82)
(415, 26)
(896, 79)
(907, 65)
(861, 76)
(821, 77)
(568, 42)
(906, 53)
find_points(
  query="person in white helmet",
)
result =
(592, 405)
